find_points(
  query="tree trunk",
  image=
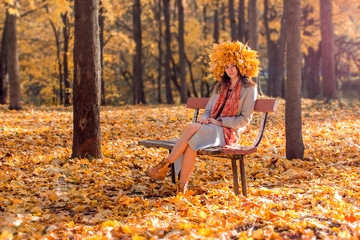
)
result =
(311, 72)
(204, 89)
(66, 33)
(253, 33)
(216, 22)
(279, 77)
(175, 70)
(160, 53)
(139, 96)
(87, 81)
(182, 67)
(233, 26)
(13, 64)
(58, 59)
(272, 52)
(3, 64)
(169, 97)
(293, 128)
(205, 27)
(192, 80)
(241, 21)
(253, 25)
(222, 14)
(269, 47)
(327, 50)
(101, 36)
(276, 54)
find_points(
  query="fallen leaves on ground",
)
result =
(46, 195)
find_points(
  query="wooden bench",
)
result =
(262, 105)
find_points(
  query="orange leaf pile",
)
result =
(46, 195)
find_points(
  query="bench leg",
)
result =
(235, 175)
(243, 176)
(172, 167)
(173, 173)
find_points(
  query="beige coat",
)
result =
(239, 122)
(211, 135)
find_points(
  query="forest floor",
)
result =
(46, 195)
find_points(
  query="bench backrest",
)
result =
(261, 105)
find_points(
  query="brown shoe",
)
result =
(159, 171)
(181, 188)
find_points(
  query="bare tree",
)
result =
(241, 21)
(327, 50)
(216, 22)
(233, 26)
(311, 73)
(102, 44)
(293, 128)
(57, 34)
(138, 85)
(182, 68)
(253, 25)
(3, 64)
(276, 50)
(13, 64)
(66, 34)
(222, 16)
(158, 14)
(311, 67)
(279, 78)
(205, 24)
(87, 81)
(169, 97)
(253, 32)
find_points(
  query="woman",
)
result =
(226, 115)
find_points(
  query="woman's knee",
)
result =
(194, 127)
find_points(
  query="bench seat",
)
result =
(217, 151)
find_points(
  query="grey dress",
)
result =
(211, 135)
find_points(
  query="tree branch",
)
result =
(34, 10)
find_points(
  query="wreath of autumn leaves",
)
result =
(234, 52)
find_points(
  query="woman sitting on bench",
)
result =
(226, 115)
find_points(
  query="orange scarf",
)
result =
(230, 110)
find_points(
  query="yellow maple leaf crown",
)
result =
(233, 52)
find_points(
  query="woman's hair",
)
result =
(225, 81)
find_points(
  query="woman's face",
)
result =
(231, 70)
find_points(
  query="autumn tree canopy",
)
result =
(45, 33)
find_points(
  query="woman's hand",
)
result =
(204, 121)
(210, 120)
(216, 122)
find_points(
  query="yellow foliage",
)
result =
(37, 49)
(5, 235)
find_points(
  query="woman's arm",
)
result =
(246, 112)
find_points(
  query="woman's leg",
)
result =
(188, 165)
(160, 170)
(182, 144)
